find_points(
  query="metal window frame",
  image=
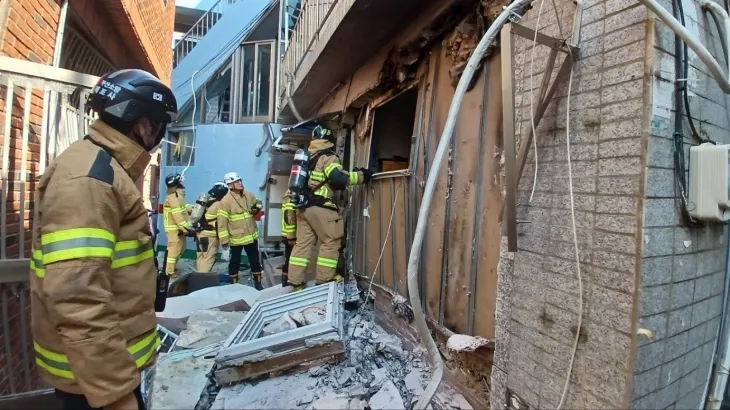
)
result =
(238, 83)
(245, 355)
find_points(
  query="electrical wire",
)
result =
(195, 108)
(685, 76)
(382, 250)
(532, 97)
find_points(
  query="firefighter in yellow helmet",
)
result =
(288, 233)
(93, 276)
(319, 219)
(175, 221)
(237, 229)
(207, 239)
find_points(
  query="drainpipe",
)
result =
(59, 34)
(719, 380)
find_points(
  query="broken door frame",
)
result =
(544, 97)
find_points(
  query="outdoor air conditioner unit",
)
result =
(709, 183)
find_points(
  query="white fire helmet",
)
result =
(231, 177)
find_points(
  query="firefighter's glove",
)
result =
(226, 254)
(128, 402)
(292, 242)
(367, 175)
(255, 210)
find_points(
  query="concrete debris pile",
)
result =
(376, 373)
(295, 319)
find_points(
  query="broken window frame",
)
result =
(246, 355)
(377, 103)
(255, 115)
(187, 155)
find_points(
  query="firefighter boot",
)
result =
(284, 279)
(234, 278)
(257, 281)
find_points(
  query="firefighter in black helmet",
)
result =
(93, 277)
(320, 220)
(175, 221)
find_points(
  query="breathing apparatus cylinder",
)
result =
(201, 204)
(299, 177)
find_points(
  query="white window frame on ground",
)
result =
(251, 112)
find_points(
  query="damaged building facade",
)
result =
(645, 302)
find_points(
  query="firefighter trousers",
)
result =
(175, 248)
(207, 248)
(316, 223)
(252, 252)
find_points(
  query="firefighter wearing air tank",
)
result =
(288, 232)
(175, 221)
(237, 229)
(207, 239)
(318, 217)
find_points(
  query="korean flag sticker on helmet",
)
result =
(157, 97)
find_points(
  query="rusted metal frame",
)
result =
(546, 97)
(447, 228)
(24, 168)
(6, 330)
(476, 229)
(380, 232)
(552, 42)
(426, 167)
(391, 235)
(509, 221)
(24, 339)
(9, 102)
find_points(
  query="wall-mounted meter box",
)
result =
(709, 182)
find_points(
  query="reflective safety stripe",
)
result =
(331, 167)
(327, 262)
(288, 229)
(317, 176)
(77, 243)
(223, 234)
(288, 207)
(353, 178)
(235, 217)
(143, 350)
(131, 252)
(36, 263)
(210, 217)
(296, 261)
(245, 240)
(57, 364)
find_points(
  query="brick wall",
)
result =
(538, 291)
(683, 266)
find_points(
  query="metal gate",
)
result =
(46, 116)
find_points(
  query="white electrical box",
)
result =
(709, 182)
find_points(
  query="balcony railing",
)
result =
(188, 42)
(317, 20)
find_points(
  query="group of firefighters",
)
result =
(229, 222)
(93, 272)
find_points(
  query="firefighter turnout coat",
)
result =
(288, 218)
(236, 226)
(322, 221)
(207, 239)
(176, 225)
(93, 277)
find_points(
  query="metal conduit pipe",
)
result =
(693, 42)
(423, 214)
(717, 10)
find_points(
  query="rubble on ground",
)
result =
(294, 319)
(376, 372)
(465, 343)
(205, 327)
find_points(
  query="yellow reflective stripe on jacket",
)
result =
(210, 217)
(36, 263)
(353, 178)
(326, 262)
(285, 227)
(57, 364)
(244, 240)
(331, 167)
(223, 234)
(131, 252)
(77, 243)
(297, 261)
(317, 176)
(235, 217)
(168, 223)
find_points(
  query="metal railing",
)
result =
(317, 20)
(43, 110)
(188, 42)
